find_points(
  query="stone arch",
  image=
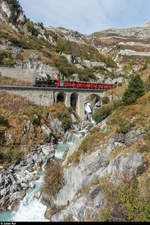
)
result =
(90, 105)
(60, 97)
(73, 100)
(94, 99)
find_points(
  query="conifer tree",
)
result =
(135, 90)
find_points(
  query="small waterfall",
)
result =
(88, 110)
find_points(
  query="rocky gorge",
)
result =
(14, 180)
(53, 166)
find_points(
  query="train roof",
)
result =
(86, 82)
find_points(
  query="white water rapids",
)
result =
(31, 208)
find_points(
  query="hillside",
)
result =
(59, 52)
(105, 175)
(126, 45)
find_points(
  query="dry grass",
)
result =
(12, 102)
(53, 178)
(13, 81)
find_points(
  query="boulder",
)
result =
(56, 125)
(37, 195)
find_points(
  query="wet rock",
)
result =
(3, 192)
(1, 168)
(37, 195)
(45, 199)
(31, 185)
(15, 206)
(48, 213)
(15, 196)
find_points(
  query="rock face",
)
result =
(81, 194)
(17, 177)
(125, 42)
(6, 12)
(37, 67)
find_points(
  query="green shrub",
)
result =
(105, 100)
(35, 120)
(116, 104)
(9, 155)
(62, 113)
(108, 60)
(86, 74)
(135, 90)
(6, 58)
(65, 67)
(123, 126)
(3, 121)
(94, 130)
(102, 113)
(41, 25)
(127, 203)
(31, 28)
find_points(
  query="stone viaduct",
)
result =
(48, 96)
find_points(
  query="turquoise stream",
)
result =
(31, 209)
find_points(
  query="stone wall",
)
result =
(49, 97)
(20, 74)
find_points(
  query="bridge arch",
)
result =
(60, 97)
(94, 100)
(73, 100)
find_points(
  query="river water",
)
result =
(30, 208)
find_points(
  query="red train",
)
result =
(71, 84)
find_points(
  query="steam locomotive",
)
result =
(41, 82)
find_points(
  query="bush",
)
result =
(32, 29)
(53, 178)
(135, 90)
(127, 203)
(6, 58)
(123, 126)
(3, 121)
(11, 154)
(63, 114)
(105, 100)
(102, 113)
(65, 67)
(86, 74)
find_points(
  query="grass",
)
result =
(62, 113)
(88, 145)
(127, 203)
(13, 81)
(15, 111)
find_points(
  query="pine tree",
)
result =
(135, 90)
